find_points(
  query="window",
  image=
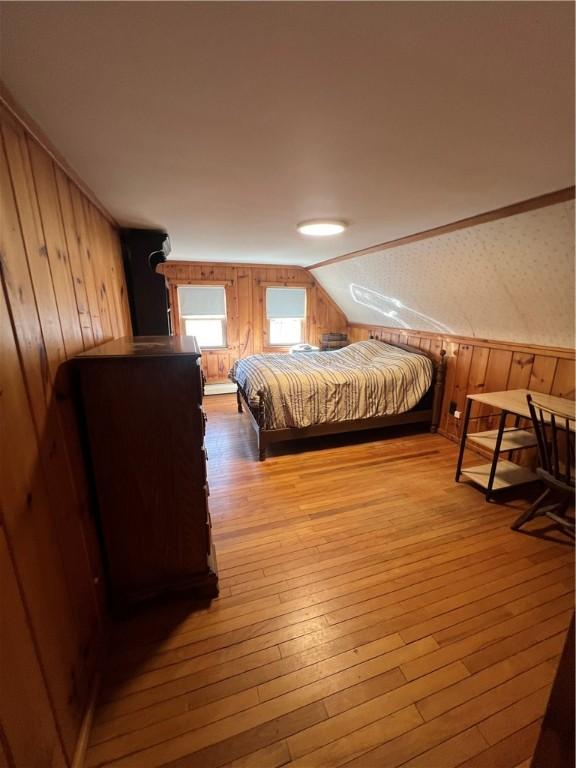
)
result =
(286, 314)
(203, 314)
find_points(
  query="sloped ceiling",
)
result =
(511, 279)
(227, 123)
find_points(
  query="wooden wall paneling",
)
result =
(49, 310)
(18, 284)
(324, 315)
(125, 302)
(75, 257)
(47, 414)
(62, 480)
(520, 370)
(87, 578)
(542, 375)
(104, 259)
(68, 485)
(456, 382)
(69, 513)
(246, 321)
(437, 344)
(455, 362)
(33, 235)
(126, 318)
(101, 261)
(312, 313)
(34, 539)
(45, 183)
(114, 257)
(564, 379)
(232, 313)
(24, 695)
(83, 238)
(110, 259)
(476, 381)
(97, 269)
(318, 315)
(258, 312)
(495, 380)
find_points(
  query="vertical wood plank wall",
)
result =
(62, 291)
(478, 365)
(246, 322)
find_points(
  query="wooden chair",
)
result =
(555, 437)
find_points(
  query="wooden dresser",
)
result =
(142, 407)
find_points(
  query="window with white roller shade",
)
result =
(203, 314)
(286, 315)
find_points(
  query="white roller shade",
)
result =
(202, 300)
(285, 303)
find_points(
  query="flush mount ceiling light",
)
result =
(321, 227)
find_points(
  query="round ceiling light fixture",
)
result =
(321, 227)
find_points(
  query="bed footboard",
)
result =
(256, 410)
(260, 418)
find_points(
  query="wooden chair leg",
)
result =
(239, 400)
(531, 512)
(558, 514)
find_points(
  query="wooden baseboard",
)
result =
(79, 758)
(445, 434)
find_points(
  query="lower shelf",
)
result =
(507, 475)
(512, 439)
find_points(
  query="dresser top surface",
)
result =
(144, 346)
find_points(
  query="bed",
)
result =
(365, 385)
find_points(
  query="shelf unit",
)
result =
(499, 474)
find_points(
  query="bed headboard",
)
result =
(414, 350)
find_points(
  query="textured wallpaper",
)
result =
(511, 279)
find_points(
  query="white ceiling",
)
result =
(227, 123)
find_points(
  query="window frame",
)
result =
(304, 324)
(224, 284)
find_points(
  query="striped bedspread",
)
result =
(363, 380)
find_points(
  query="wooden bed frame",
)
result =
(427, 410)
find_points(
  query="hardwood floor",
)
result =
(372, 613)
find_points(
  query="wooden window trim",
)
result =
(181, 282)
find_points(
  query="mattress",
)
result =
(361, 381)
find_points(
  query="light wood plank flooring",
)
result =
(372, 613)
